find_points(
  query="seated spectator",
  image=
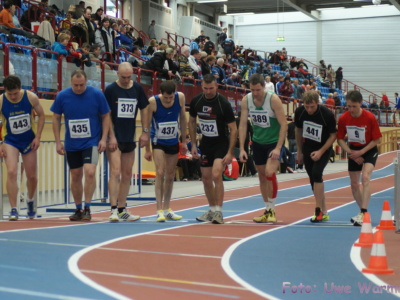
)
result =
(139, 42)
(294, 64)
(301, 72)
(373, 106)
(6, 18)
(219, 72)
(124, 40)
(81, 55)
(260, 68)
(46, 30)
(384, 106)
(285, 65)
(129, 33)
(61, 45)
(134, 60)
(233, 80)
(194, 45)
(157, 63)
(153, 47)
(32, 14)
(94, 53)
(194, 63)
(267, 71)
(184, 67)
(205, 67)
(330, 102)
(298, 90)
(15, 18)
(286, 88)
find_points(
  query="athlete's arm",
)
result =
(56, 120)
(358, 153)
(183, 122)
(145, 136)
(105, 124)
(193, 136)
(2, 152)
(152, 107)
(243, 129)
(232, 142)
(34, 100)
(316, 155)
(277, 106)
(299, 144)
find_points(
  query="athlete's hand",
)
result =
(148, 155)
(316, 155)
(359, 160)
(60, 148)
(112, 144)
(299, 158)
(275, 154)
(35, 144)
(354, 154)
(101, 146)
(243, 156)
(184, 149)
(195, 154)
(227, 159)
(144, 139)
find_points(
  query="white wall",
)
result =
(364, 41)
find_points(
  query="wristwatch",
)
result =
(145, 130)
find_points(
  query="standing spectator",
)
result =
(269, 86)
(339, 78)
(298, 90)
(123, 93)
(286, 89)
(167, 112)
(228, 45)
(79, 9)
(330, 75)
(86, 133)
(193, 62)
(61, 45)
(88, 26)
(152, 30)
(202, 37)
(68, 20)
(363, 136)
(205, 67)
(194, 44)
(17, 107)
(322, 68)
(397, 99)
(98, 16)
(157, 63)
(222, 36)
(385, 99)
(208, 46)
(104, 37)
(219, 131)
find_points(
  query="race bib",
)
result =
(356, 134)
(167, 130)
(79, 129)
(126, 108)
(260, 118)
(20, 124)
(312, 131)
(208, 128)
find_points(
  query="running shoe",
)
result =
(114, 215)
(170, 215)
(13, 215)
(77, 215)
(267, 217)
(218, 218)
(126, 216)
(160, 216)
(31, 209)
(206, 217)
(358, 219)
(319, 216)
(86, 214)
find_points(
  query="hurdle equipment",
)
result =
(377, 261)
(386, 218)
(366, 236)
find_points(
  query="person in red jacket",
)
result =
(286, 88)
(385, 99)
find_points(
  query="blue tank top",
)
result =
(164, 125)
(18, 123)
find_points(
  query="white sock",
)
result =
(213, 208)
(29, 200)
(218, 208)
(270, 204)
(166, 211)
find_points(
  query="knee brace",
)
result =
(274, 185)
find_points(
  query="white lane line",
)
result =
(228, 253)
(170, 280)
(197, 236)
(41, 295)
(154, 286)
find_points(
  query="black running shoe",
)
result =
(76, 216)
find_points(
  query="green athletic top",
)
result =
(265, 124)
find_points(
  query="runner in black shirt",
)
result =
(219, 134)
(315, 134)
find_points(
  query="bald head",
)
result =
(124, 73)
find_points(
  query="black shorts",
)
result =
(168, 149)
(261, 153)
(210, 152)
(126, 147)
(369, 157)
(76, 159)
(315, 169)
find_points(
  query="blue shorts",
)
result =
(23, 147)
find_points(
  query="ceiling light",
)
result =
(330, 8)
(241, 14)
(211, 1)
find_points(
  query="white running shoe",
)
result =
(160, 216)
(126, 216)
(170, 215)
(358, 219)
(114, 215)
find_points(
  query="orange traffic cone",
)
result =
(366, 236)
(377, 261)
(386, 218)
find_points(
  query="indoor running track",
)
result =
(294, 259)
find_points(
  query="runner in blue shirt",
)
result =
(87, 122)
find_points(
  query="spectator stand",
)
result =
(36, 13)
(174, 37)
